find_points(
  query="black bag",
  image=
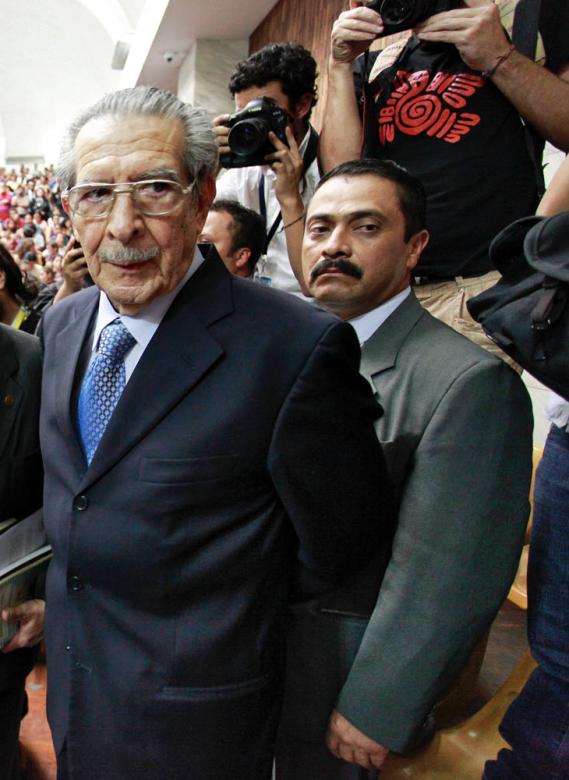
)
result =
(527, 312)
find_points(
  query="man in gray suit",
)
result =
(456, 433)
(20, 494)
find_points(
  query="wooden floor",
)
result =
(38, 759)
(505, 647)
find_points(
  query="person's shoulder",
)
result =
(279, 307)
(444, 354)
(69, 306)
(24, 343)
(21, 352)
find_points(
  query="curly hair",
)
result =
(289, 63)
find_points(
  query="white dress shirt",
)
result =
(557, 411)
(366, 324)
(142, 325)
(242, 185)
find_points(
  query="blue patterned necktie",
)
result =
(103, 385)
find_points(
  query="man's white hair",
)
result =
(200, 148)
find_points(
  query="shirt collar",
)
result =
(144, 324)
(366, 324)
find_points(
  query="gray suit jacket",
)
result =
(456, 433)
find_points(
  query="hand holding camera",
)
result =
(243, 138)
(287, 163)
(353, 33)
(475, 30)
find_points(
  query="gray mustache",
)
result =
(126, 254)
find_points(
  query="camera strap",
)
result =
(307, 159)
(524, 37)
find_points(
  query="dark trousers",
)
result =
(537, 724)
(297, 760)
(13, 707)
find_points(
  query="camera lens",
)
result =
(398, 11)
(247, 136)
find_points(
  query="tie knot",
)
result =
(115, 341)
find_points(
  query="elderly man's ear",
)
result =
(206, 196)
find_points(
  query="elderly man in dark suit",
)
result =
(209, 452)
(456, 433)
(20, 495)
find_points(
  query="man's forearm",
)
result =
(539, 96)
(340, 137)
(292, 211)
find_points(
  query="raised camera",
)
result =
(249, 133)
(398, 15)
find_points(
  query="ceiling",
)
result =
(185, 22)
(56, 56)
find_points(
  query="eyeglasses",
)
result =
(153, 197)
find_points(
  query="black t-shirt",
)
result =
(464, 140)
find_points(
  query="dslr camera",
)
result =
(398, 15)
(249, 133)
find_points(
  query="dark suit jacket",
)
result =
(243, 437)
(20, 461)
(456, 433)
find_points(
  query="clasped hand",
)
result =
(347, 742)
(30, 615)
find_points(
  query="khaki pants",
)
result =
(447, 302)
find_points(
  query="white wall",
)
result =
(205, 73)
(55, 59)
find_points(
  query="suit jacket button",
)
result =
(75, 583)
(9, 400)
(81, 503)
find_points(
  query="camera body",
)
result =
(398, 15)
(249, 133)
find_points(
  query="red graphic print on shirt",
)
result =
(421, 104)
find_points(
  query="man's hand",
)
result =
(73, 269)
(476, 31)
(221, 132)
(287, 163)
(73, 265)
(349, 743)
(31, 617)
(353, 32)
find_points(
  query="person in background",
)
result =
(285, 73)
(20, 495)
(445, 102)
(17, 294)
(238, 235)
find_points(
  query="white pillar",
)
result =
(204, 75)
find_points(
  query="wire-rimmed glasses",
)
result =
(152, 197)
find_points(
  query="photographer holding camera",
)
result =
(446, 103)
(269, 149)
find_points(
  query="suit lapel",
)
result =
(379, 353)
(69, 343)
(179, 354)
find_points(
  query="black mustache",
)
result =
(345, 266)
